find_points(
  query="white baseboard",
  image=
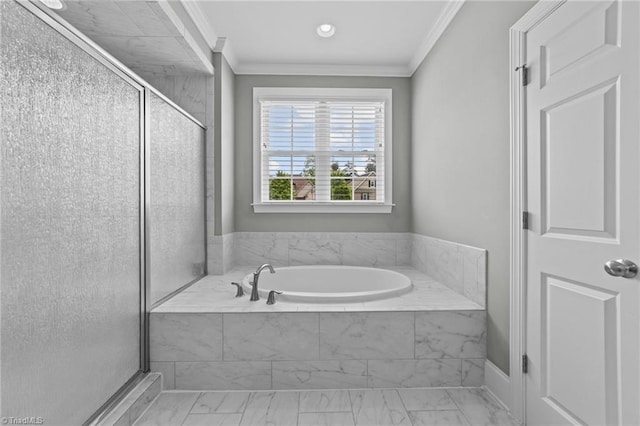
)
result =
(497, 383)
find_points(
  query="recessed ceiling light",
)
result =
(53, 4)
(326, 30)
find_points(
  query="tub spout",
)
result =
(256, 276)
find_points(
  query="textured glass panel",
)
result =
(69, 251)
(177, 199)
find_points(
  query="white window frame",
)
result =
(298, 93)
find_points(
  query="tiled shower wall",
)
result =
(460, 267)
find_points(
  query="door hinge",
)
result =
(525, 364)
(524, 75)
(525, 220)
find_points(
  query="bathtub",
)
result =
(328, 284)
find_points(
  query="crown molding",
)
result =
(222, 45)
(447, 15)
(196, 14)
(325, 70)
(216, 44)
(229, 54)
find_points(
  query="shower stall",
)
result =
(102, 216)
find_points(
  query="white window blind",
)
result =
(322, 151)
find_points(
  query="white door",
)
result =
(583, 192)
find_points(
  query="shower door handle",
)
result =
(621, 268)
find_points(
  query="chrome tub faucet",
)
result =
(271, 300)
(256, 276)
(240, 291)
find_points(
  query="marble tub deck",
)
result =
(207, 339)
(215, 294)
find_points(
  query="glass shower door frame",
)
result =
(88, 46)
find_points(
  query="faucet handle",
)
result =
(240, 290)
(271, 299)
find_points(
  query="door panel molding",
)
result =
(565, 209)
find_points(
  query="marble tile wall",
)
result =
(319, 350)
(220, 249)
(318, 248)
(460, 267)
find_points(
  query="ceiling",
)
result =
(148, 36)
(378, 38)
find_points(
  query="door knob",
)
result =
(621, 268)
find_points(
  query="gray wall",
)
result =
(70, 225)
(224, 128)
(246, 220)
(460, 147)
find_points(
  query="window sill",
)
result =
(322, 208)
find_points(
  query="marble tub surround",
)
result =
(322, 248)
(220, 252)
(460, 267)
(355, 407)
(215, 294)
(206, 339)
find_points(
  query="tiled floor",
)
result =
(383, 407)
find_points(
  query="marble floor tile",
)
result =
(221, 402)
(324, 401)
(480, 409)
(426, 399)
(325, 419)
(373, 407)
(169, 409)
(227, 419)
(438, 418)
(378, 407)
(271, 408)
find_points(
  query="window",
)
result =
(322, 150)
